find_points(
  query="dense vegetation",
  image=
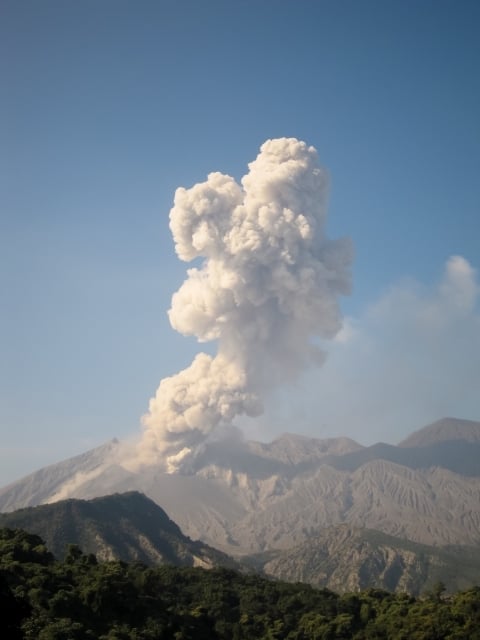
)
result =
(80, 598)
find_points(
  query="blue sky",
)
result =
(107, 107)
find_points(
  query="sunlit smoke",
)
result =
(268, 286)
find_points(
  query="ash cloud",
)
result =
(412, 357)
(268, 285)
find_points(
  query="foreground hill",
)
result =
(127, 527)
(249, 497)
(81, 599)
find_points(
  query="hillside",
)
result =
(248, 497)
(81, 599)
(38, 486)
(130, 527)
(444, 430)
(127, 527)
(346, 559)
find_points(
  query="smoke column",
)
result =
(268, 285)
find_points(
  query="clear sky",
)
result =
(107, 107)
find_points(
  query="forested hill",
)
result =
(126, 526)
(81, 599)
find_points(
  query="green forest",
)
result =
(80, 598)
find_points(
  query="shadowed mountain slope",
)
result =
(128, 527)
(459, 456)
(247, 497)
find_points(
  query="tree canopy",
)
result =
(80, 599)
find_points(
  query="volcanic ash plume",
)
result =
(268, 285)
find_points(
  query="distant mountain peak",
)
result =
(293, 448)
(444, 430)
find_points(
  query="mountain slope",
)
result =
(459, 456)
(346, 559)
(128, 527)
(37, 487)
(131, 527)
(446, 429)
(247, 497)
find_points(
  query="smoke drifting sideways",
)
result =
(268, 286)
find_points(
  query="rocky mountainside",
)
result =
(130, 527)
(37, 487)
(248, 497)
(345, 559)
(127, 527)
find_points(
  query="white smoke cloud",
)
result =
(268, 285)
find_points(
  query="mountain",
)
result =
(249, 497)
(346, 559)
(444, 430)
(38, 486)
(128, 527)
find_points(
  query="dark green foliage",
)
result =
(81, 599)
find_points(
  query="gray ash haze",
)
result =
(267, 287)
(410, 358)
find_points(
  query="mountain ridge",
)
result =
(128, 526)
(245, 497)
(445, 429)
(348, 559)
(131, 528)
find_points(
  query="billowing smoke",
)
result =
(268, 285)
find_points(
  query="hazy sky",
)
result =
(107, 107)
